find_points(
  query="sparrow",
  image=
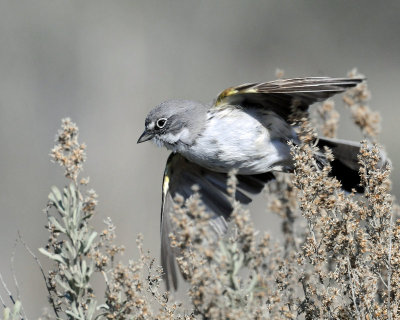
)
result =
(247, 129)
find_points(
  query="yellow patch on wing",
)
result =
(225, 93)
(233, 91)
(165, 184)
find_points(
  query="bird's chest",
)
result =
(233, 139)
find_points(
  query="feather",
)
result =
(346, 166)
(281, 95)
(179, 177)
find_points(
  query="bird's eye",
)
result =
(161, 123)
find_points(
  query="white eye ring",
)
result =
(161, 123)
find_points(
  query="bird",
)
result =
(247, 129)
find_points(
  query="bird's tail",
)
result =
(345, 166)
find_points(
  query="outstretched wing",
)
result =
(179, 177)
(280, 95)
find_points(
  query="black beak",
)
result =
(145, 137)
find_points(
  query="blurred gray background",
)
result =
(105, 64)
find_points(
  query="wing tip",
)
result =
(168, 266)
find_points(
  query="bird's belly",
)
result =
(245, 145)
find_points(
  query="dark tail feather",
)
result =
(345, 166)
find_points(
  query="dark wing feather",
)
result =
(179, 177)
(281, 95)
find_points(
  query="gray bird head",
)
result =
(174, 124)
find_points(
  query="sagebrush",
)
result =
(339, 257)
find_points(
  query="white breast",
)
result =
(252, 142)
